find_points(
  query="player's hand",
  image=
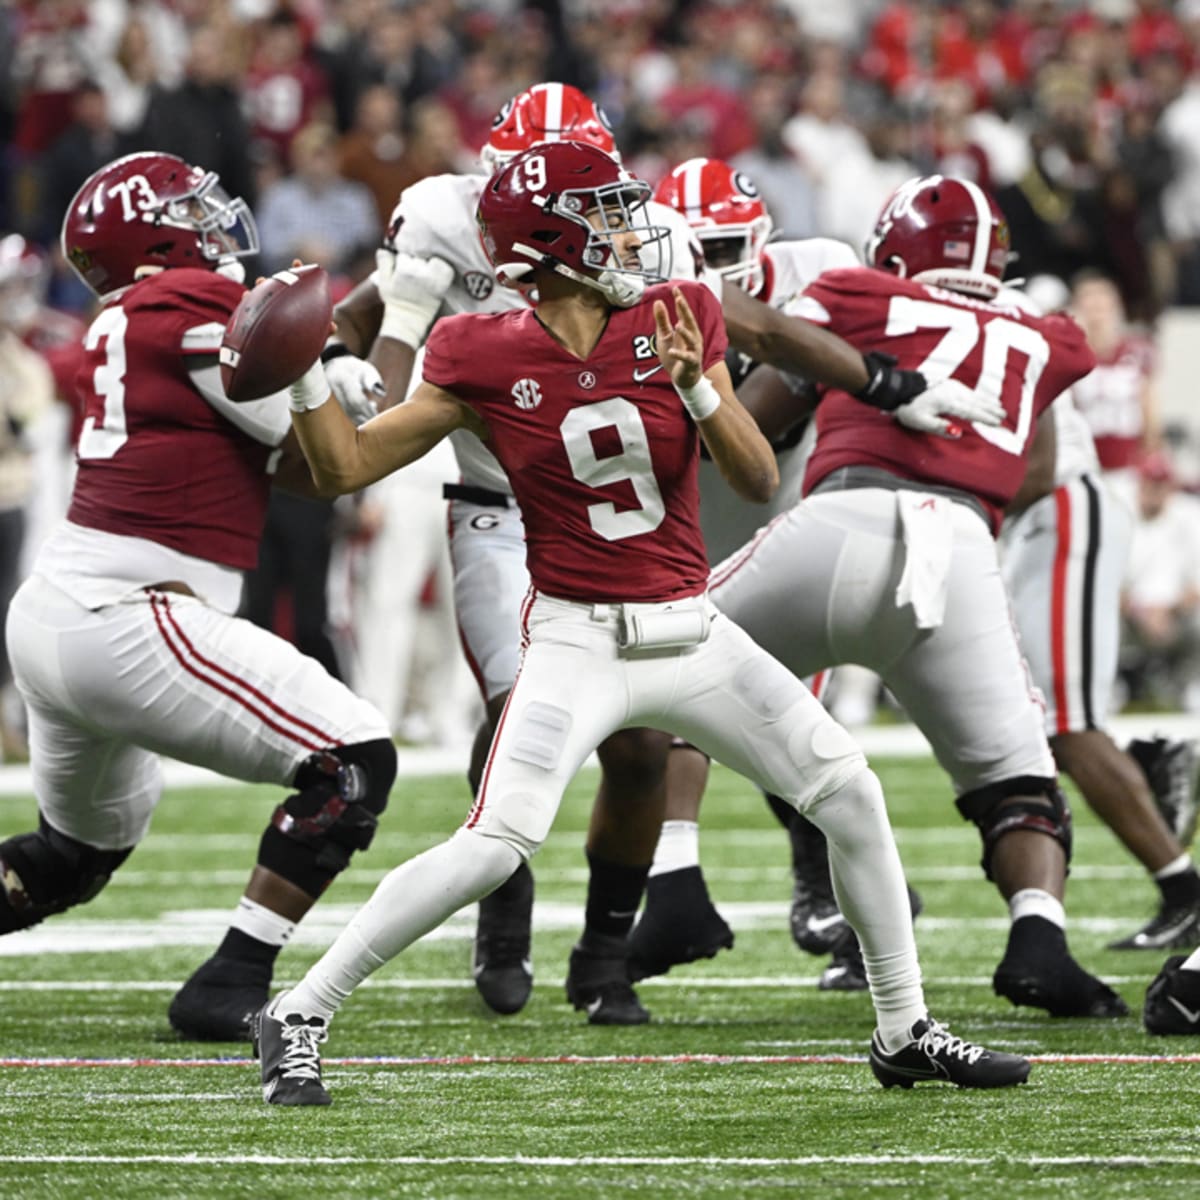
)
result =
(944, 408)
(407, 278)
(356, 385)
(680, 346)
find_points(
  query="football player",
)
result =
(617, 627)
(890, 560)
(121, 640)
(432, 264)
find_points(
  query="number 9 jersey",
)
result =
(1024, 360)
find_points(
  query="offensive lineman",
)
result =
(121, 639)
(890, 559)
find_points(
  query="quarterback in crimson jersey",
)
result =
(122, 640)
(890, 560)
(566, 217)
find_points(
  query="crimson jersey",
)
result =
(1024, 360)
(156, 460)
(1110, 399)
(600, 452)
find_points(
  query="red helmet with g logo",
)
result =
(153, 210)
(546, 112)
(724, 208)
(942, 231)
(535, 212)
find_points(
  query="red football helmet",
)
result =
(535, 212)
(724, 208)
(154, 210)
(546, 112)
(943, 231)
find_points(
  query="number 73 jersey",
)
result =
(1023, 360)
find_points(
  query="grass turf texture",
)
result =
(747, 1082)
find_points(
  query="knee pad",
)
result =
(48, 872)
(334, 811)
(1041, 808)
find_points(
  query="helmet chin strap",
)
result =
(622, 290)
(232, 268)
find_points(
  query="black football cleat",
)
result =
(1172, 769)
(289, 1054)
(678, 925)
(218, 1002)
(846, 973)
(502, 964)
(598, 983)
(1173, 1000)
(935, 1055)
(1038, 972)
(1173, 926)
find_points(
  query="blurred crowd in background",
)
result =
(1081, 116)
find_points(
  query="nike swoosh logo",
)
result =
(594, 1007)
(820, 924)
(641, 374)
(1194, 1017)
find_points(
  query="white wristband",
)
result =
(702, 400)
(310, 391)
(408, 321)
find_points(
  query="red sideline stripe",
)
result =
(579, 1060)
(1058, 609)
(163, 616)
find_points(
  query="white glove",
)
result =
(356, 385)
(928, 412)
(411, 289)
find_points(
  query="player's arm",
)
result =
(357, 318)
(346, 459)
(743, 456)
(778, 402)
(803, 348)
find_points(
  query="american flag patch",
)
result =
(957, 250)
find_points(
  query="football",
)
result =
(276, 333)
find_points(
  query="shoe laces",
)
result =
(938, 1039)
(301, 1057)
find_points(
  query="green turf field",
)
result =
(747, 1082)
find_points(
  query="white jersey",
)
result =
(791, 266)
(1075, 451)
(435, 218)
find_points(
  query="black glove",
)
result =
(888, 387)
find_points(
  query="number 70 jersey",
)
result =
(1023, 360)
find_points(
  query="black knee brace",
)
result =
(1042, 808)
(334, 811)
(47, 872)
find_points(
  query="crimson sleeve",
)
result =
(707, 310)
(441, 366)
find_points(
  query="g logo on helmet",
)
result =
(745, 185)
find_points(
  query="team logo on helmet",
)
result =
(744, 184)
(478, 284)
(502, 115)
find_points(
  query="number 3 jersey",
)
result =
(600, 453)
(173, 478)
(1023, 359)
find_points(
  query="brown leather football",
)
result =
(276, 333)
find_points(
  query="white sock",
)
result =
(678, 847)
(868, 881)
(409, 901)
(1192, 963)
(260, 923)
(1177, 867)
(1034, 902)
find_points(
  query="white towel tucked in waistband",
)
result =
(928, 526)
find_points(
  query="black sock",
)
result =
(785, 813)
(1180, 889)
(614, 894)
(516, 889)
(1033, 934)
(243, 947)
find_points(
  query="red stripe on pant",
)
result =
(228, 684)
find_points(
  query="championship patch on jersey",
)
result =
(479, 284)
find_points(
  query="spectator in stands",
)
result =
(200, 120)
(316, 214)
(1160, 602)
(371, 153)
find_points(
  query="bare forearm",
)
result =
(792, 344)
(394, 360)
(743, 456)
(357, 318)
